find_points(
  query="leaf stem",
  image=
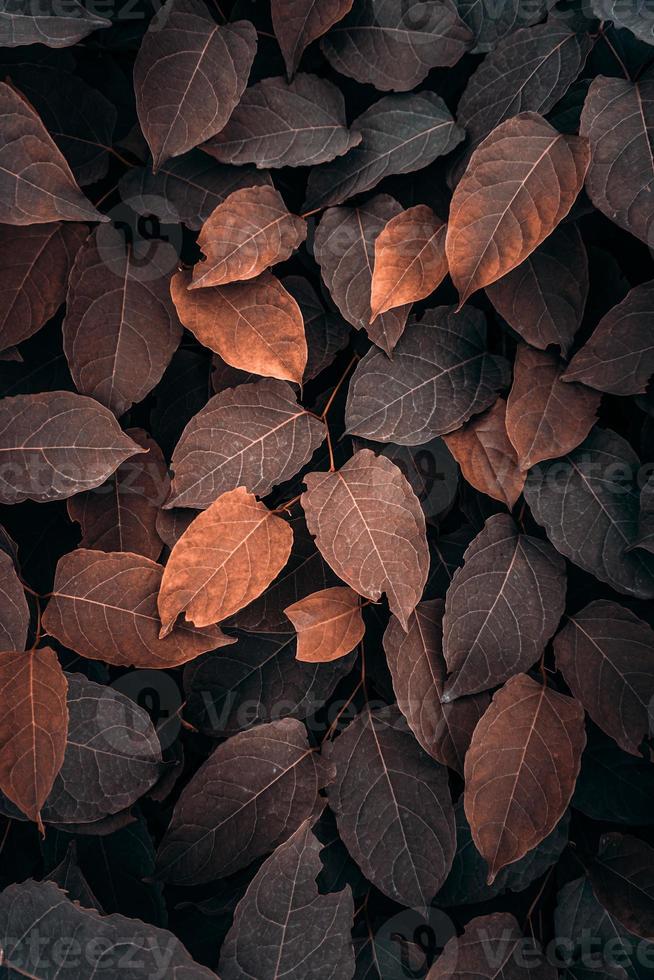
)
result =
(334, 393)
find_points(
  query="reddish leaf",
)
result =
(517, 788)
(369, 502)
(188, 76)
(250, 231)
(254, 436)
(121, 515)
(416, 662)
(329, 624)
(501, 608)
(545, 418)
(279, 124)
(255, 326)
(299, 22)
(33, 727)
(228, 555)
(486, 456)
(606, 656)
(56, 444)
(104, 606)
(520, 183)
(35, 262)
(14, 611)
(231, 813)
(492, 946)
(121, 328)
(409, 259)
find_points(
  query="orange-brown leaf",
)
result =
(520, 183)
(329, 624)
(486, 456)
(33, 727)
(410, 259)
(256, 326)
(251, 230)
(227, 556)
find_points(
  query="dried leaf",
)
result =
(228, 555)
(619, 356)
(279, 124)
(517, 788)
(409, 259)
(250, 231)
(543, 299)
(487, 458)
(35, 262)
(121, 515)
(33, 727)
(520, 183)
(392, 806)
(254, 436)
(14, 611)
(37, 185)
(399, 134)
(393, 46)
(501, 608)
(188, 76)
(492, 946)
(370, 529)
(305, 932)
(121, 328)
(56, 444)
(104, 606)
(417, 666)
(299, 22)
(440, 375)
(256, 326)
(605, 654)
(545, 418)
(251, 794)
(619, 114)
(329, 624)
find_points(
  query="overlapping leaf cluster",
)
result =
(326, 436)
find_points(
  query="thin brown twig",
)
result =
(287, 505)
(334, 393)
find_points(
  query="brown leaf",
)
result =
(121, 515)
(36, 183)
(35, 262)
(415, 660)
(619, 356)
(33, 727)
(521, 769)
(299, 22)
(501, 608)
(253, 436)
(55, 444)
(543, 298)
(409, 259)
(104, 607)
(344, 247)
(228, 555)
(370, 529)
(14, 611)
(606, 655)
(121, 327)
(492, 947)
(544, 417)
(256, 326)
(487, 459)
(329, 624)
(520, 183)
(188, 76)
(246, 234)
(618, 115)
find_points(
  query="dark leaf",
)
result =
(23, 22)
(613, 785)
(279, 124)
(579, 914)
(399, 134)
(501, 608)
(14, 611)
(326, 332)
(492, 946)
(635, 17)
(393, 808)
(299, 22)
(252, 793)
(68, 875)
(440, 375)
(622, 877)
(188, 77)
(492, 21)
